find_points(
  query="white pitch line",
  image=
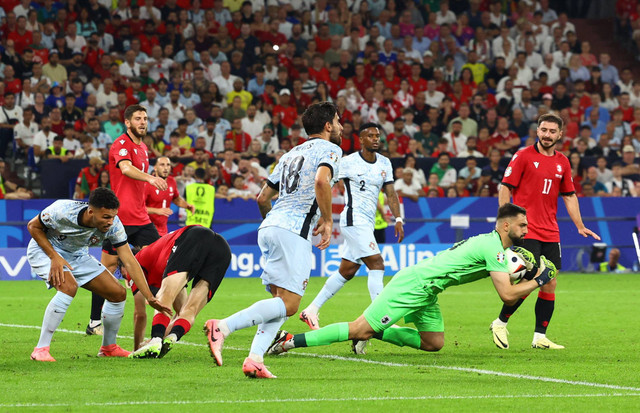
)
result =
(316, 400)
(391, 364)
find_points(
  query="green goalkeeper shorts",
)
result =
(406, 297)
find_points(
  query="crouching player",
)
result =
(413, 292)
(190, 253)
(59, 254)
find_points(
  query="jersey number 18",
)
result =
(291, 174)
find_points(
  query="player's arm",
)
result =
(573, 208)
(38, 232)
(504, 194)
(159, 211)
(181, 203)
(323, 197)
(136, 274)
(269, 190)
(394, 205)
(510, 293)
(132, 172)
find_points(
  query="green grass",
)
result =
(596, 318)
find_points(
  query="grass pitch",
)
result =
(596, 318)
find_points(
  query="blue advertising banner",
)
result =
(246, 260)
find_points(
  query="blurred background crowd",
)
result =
(455, 85)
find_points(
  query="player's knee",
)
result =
(376, 263)
(432, 344)
(118, 295)
(549, 287)
(348, 274)
(292, 308)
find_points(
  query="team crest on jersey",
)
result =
(508, 171)
(46, 218)
(123, 152)
(304, 284)
(500, 257)
(333, 156)
(372, 245)
(94, 240)
(559, 169)
(383, 174)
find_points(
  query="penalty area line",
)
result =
(319, 399)
(391, 364)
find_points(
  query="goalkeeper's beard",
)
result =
(516, 240)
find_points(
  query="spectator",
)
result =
(444, 170)
(9, 189)
(625, 186)
(407, 187)
(88, 178)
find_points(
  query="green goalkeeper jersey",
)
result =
(465, 262)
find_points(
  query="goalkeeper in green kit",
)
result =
(412, 294)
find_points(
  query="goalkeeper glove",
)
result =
(529, 262)
(548, 271)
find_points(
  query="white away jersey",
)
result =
(296, 208)
(68, 237)
(362, 182)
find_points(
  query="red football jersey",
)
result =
(155, 198)
(536, 181)
(130, 192)
(153, 258)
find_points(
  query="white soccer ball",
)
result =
(516, 265)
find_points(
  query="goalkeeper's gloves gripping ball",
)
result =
(548, 271)
(529, 262)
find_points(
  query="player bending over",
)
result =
(413, 292)
(190, 253)
(59, 254)
(364, 173)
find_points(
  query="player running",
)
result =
(190, 253)
(128, 165)
(364, 174)
(157, 201)
(303, 179)
(412, 294)
(535, 177)
(59, 254)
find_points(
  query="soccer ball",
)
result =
(516, 265)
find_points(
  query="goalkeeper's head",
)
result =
(512, 223)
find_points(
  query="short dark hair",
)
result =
(103, 198)
(130, 110)
(510, 210)
(367, 126)
(553, 118)
(317, 115)
(200, 173)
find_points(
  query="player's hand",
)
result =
(191, 208)
(399, 231)
(319, 228)
(547, 271)
(158, 182)
(325, 232)
(56, 273)
(585, 232)
(155, 303)
(165, 211)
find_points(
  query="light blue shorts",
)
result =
(85, 267)
(359, 243)
(287, 259)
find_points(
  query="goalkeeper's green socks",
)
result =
(400, 336)
(332, 333)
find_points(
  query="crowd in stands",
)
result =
(455, 85)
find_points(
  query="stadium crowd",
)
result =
(456, 87)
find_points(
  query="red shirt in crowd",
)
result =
(241, 140)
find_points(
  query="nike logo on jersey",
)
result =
(536, 164)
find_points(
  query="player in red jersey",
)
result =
(190, 253)
(158, 201)
(535, 177)
(128, 165)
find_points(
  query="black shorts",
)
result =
(137, 235)
(551, 250)
(203, 254)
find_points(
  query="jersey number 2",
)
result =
(547, 186)
(292, 178)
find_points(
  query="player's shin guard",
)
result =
(508, 310)
(401, 336)
(159, 325)
(180, 327)
(264, 336)
(53, 316)
(332, 333)
(111, 318)
(375, 283)
(544, 311)
(334, 283)
(96, 306)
